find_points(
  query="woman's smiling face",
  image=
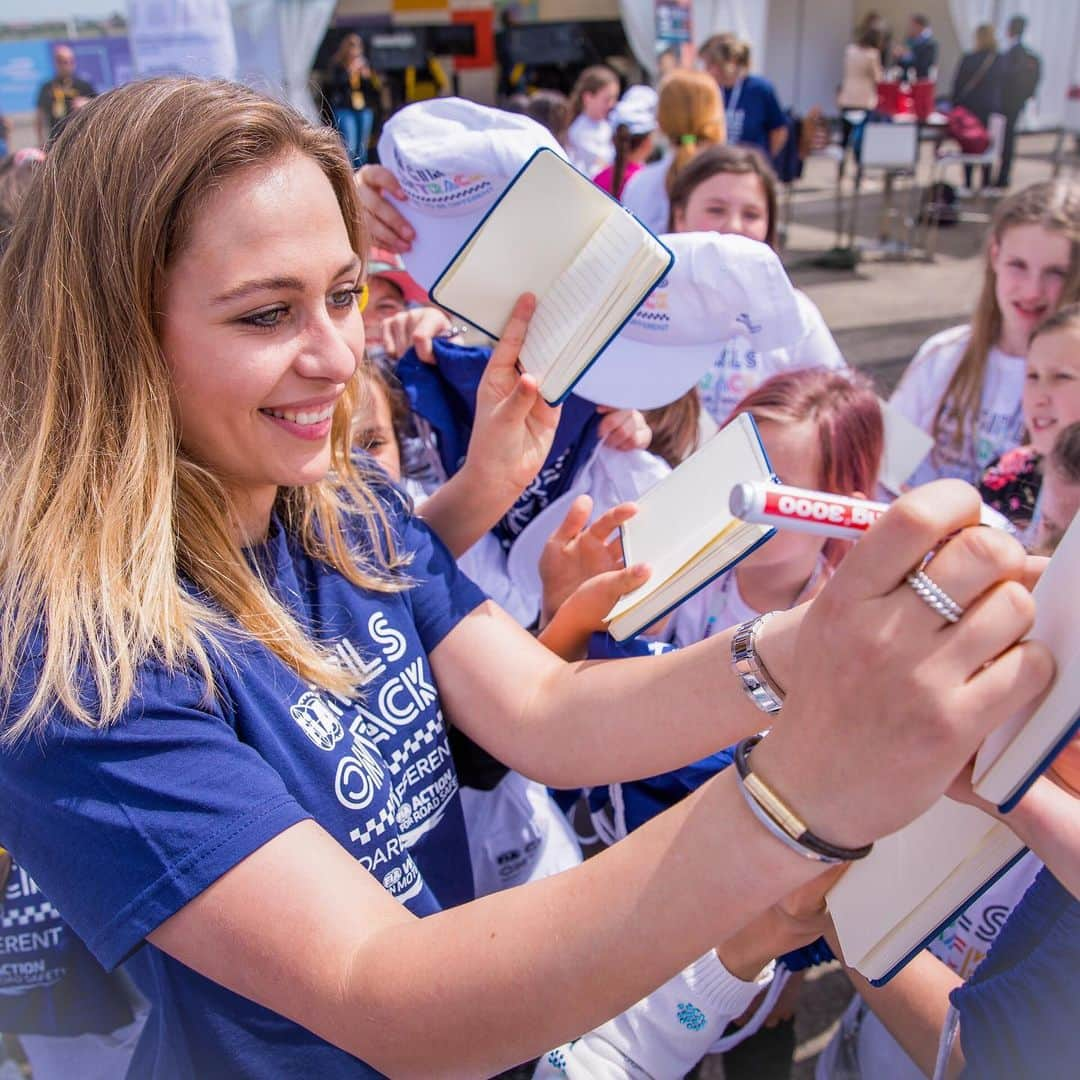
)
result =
(262, 332)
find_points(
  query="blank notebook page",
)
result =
(567, 309)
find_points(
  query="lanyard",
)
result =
(733, 102)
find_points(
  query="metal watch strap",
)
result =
(753, 674)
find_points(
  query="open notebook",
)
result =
(588, 260)
(1012, 757)
(893, 903)
(889, 905)
(684, 528)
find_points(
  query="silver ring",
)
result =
(932, 594)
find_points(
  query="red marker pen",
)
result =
(839, 517)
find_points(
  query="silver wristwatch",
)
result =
(758, 684)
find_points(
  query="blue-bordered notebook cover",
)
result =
(901, 964)
(492, 334)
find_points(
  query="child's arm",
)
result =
(667, 1033)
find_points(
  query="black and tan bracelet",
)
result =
(780, 819)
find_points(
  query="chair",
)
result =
(991, 156)
(892, 148)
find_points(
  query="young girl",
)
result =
(588, 139)
(822, 431)
(964, 386)
(633, 121)
(1051, 401)
(227, 653)
(732, 189)
(690, 116)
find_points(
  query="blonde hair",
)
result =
(690, 114)
(986, 37)
(1053, 204)
(117, 548)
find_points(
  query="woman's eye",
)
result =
(344, 298)
(265, 319)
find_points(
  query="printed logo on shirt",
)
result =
(30, 928)
(393, 766)
(534, 498)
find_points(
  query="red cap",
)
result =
(387, 265)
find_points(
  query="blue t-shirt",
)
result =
(124, 827)
(753, 110)
(49, 983)
(1018, 1011)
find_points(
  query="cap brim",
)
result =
(633, 375)
(438, 240)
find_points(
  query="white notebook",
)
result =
(684, 528)
(587, 259)
(1012, 757)
(893, 903)
(906, 445)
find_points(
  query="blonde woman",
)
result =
(691, 117)
(964, 385)
(228, 652)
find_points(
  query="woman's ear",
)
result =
(678, 218)
(994, 253)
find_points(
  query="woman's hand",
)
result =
(376, 185)
(513, 426)
(624, 429)
(883, 690)
(577, 552)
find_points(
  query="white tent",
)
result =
(269, 44)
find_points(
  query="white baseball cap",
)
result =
(720, 286)
(453, 158)
(636, 110)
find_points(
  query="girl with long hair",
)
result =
(823, 431)
(732, 189)
(633, 121)
(227, 648)
(690, 116)
(964, 385)
(588, 139)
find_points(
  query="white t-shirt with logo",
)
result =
(646, 197)
(589, 144)
(1000, 424)
(740, 368)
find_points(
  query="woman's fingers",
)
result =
(375, 185)
(610, 520)
(992, 624)
(964, 568)
(1013, 681)
(505, 354)
(916, 523)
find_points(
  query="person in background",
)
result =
(548, 108)
(588, 140)
(634, 122)
(1060, 501)
(754, 115)
(1021, 72)
(1012, 485)
(691, 117)
(964, 385)
(390, 291)
(731, 189)
(874, 20)
(353, 92)
(858, 91)
(61, 95)
(918, 56)
(977, 86)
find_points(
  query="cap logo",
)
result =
(744, 320)
(653, 313)
(438, 190)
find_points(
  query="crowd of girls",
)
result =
(247, 687)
